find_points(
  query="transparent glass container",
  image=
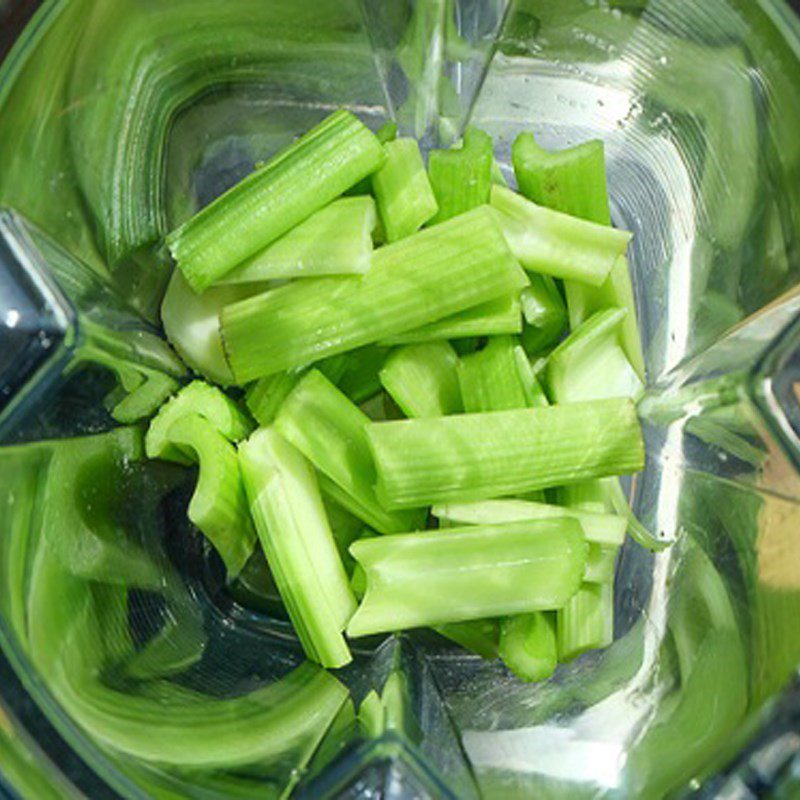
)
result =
(121, 644)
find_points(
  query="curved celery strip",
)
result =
(307, 175)
(290, 519)
(467, 573)
(556, 244)
(336, 240)
(528, 645)
(480, 456)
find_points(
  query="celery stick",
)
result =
(544, 312)
(307, 175)
(601, 562)
(267, 394)
(462, 177)
(385, 134)
(218, 506)
(346, 528)
(371, 715)
(528, 645)
(495, 318)
(403, 191)
(534, 393)
(556, 244)
(479, 636)
(490, 379)
(599, 528)
(480, 456)
(290, 519)
(420, 279)
(153, 388)
(586, 622)
(470, 573)
(336, 240)
(329, 431)
(423, 379)
(360, 378)
(197, 398)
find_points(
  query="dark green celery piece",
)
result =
(586, 622)
(403, 191)
(462, 177)
(329, 430)
(545, 314)
(528, 645)
(423, 379)
(360, 373)
(200, 398)
(293, 528)
(480, 636)
(490, 379)
(265, 397)
(307, 175)
(553, 243)
(480, 456)
(420, 279)
(462, 574)
(495, 318)
(336, 240)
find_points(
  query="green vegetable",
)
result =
(360, 374)
(403, 191)
(490, 379)
(290, 518)
(469, 573)
(385, 134)
(423, 379)
(556, 244)
(306, 176)
(336, 240)
(480, 636)
(265, 397)
(417, 280)
(329, 431)
(528, 645)
(478, 456)
(532, 389)
(586, 622)
(544, 312)
(462, 177)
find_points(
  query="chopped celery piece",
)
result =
(470, 573)
(497, 174)
(329, 430)
(545, 314)
(346, 528)
(423, 379)
(600, 563)
(599, 528)
(290, 518)
(490, 379)
(218, 506)
(371, 715)
(385, 134)
(480, 456)
(461, 177)
(307, 175)
(420, 279)
(403, 191)
(556, 244)
(534, 393)
(336, 240)
(586, 622)
(267, 394)
(528, 645)
(191, 323)
(480, 636)
(197, 398)
(360, 377)
(495, 318)
(133, 404)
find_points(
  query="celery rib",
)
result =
(490, 379)
(528, 645)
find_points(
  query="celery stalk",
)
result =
(470, 573)
(601, 562)
(300, 180)
(490, 379)
(267, 394)
(290, 519)
(528, 645)
(556, 244)
(405, 198)
(422, 278)
(544, 312)
(423, 379)
(360, 375)
(480, 636)
(480, 456)
(586, 622)
(534, 393)
(329, 431)
(336, 240)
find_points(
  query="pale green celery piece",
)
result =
(420, 279)
(139, 403)
(303, 178)
(528, 645)
(479, 572)
(191, 323)
(404, 194)
(545, 314)
(586, 622)
(218, 506)
(398, 713)
(207, 401)
(358, 581)
(552, 243)
(292, 526)
(499, 317)
(385, 134)
(534, 393)
(490, 379)
(479, 636)
(481, 456)
(600, 563)
(336, 240)
(371, 715)
(602, 529)
(346, 528)
(423, 379)
(329, 430)
(462, 177)
(265, 397)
